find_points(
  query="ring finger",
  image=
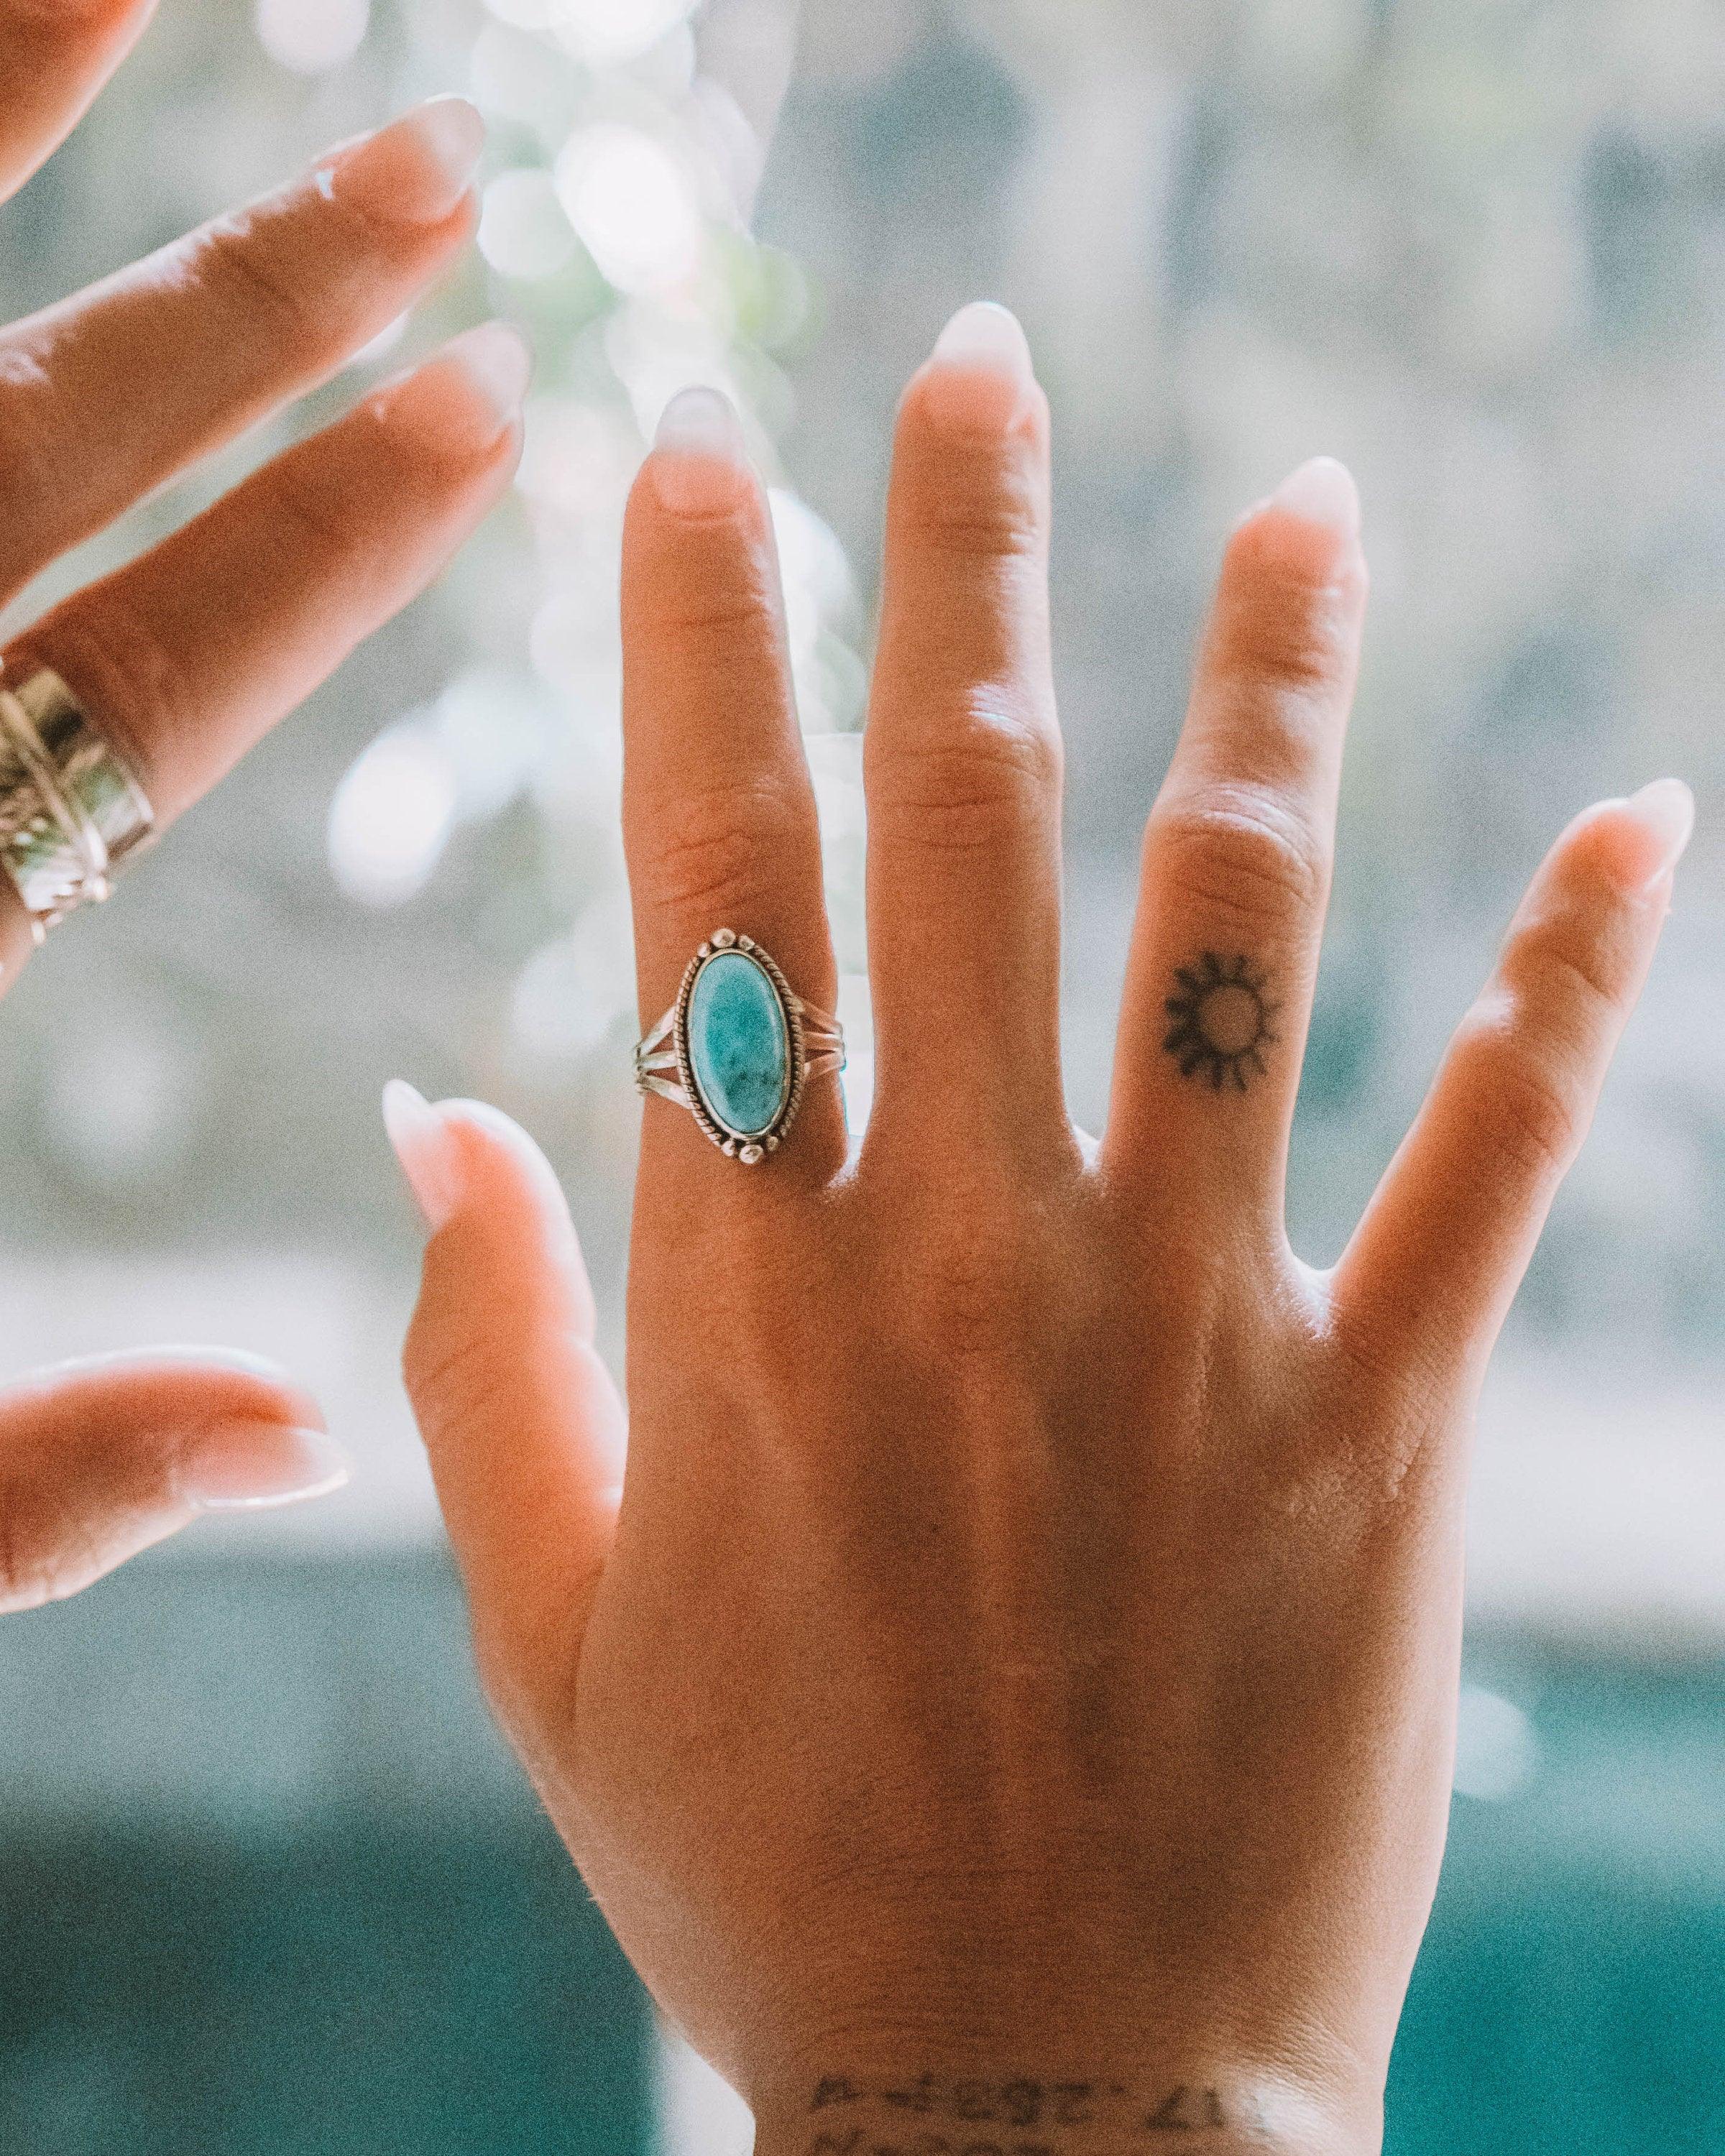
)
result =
(719, 813)
(1237, 858)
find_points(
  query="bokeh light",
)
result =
(392, 816)
(523, 232)
(630, 200)
(312, 36)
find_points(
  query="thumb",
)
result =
(100, 1458)
(525, 1429)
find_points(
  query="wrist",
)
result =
(1207, 2111)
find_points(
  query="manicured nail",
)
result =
(1665, 812)
(979, 378)
(1323, 492)
(465, 398)
(700, 465)
(413, 172)
(426, 1149)
(498, 367)
(988, 335)
(248, 1466)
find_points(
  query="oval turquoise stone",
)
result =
(739, 1046)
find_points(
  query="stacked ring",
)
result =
(70, 809)
(742, 1046)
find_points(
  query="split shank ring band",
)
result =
(737, 1048)
(70, 807)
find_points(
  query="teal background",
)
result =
(269, 1882)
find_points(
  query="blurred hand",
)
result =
(1014, 1709)
(186, 657)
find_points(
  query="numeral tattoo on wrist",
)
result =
(939, 2115)
(1222, 1022)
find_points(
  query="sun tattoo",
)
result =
(1221, 1022)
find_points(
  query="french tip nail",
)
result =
(700, 421)
(984, 334)
(497, 363)
(1321, 490)
(415, 170)
(422, 1143)
(253, 1467)
(1665, 810)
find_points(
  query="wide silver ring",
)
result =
(738, 1047)
(71, 809)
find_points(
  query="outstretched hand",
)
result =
(1013, 1708)
(184, 658)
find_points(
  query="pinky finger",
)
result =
(1438, 1258)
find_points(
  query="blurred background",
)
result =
(267, 1878)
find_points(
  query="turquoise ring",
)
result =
(737, 1048)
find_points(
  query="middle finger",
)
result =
(104, 397)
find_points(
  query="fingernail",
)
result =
(248, 1466)
(426, 1149)
(700, 466)
(1665, 812)
(413, 172)
(1323, 492)
(988, 335)
(467, 396)
(980, 375)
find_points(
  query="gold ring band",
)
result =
(71, 809)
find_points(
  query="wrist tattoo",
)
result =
(1016, 2115)
(1221, 1022)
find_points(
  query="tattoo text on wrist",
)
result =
(1016, 2115)
(1221, 1023)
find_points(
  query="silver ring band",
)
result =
(71, 810)
(738, 1047)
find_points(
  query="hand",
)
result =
(1013, 1708)
(185, 658)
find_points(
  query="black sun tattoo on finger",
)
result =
(1221, 1022)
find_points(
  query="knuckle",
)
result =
(450, 1367)
(237, 260)
(1576, 977)
(1287, 631)
(711, 853)
(975, 1291)
(965, 785)
(306, 512)
(112, 653)
(1241, 855)
(980, 523)
(1530, 1118)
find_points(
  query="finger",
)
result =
(1236, 865)
(524, 1427)
(98, 1460)
(962, 753)
(188, 656)
(1440, 1252)
(54, 56)
(719, 815)
(107, 395)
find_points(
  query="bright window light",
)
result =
(312, 36)
(631, 203)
